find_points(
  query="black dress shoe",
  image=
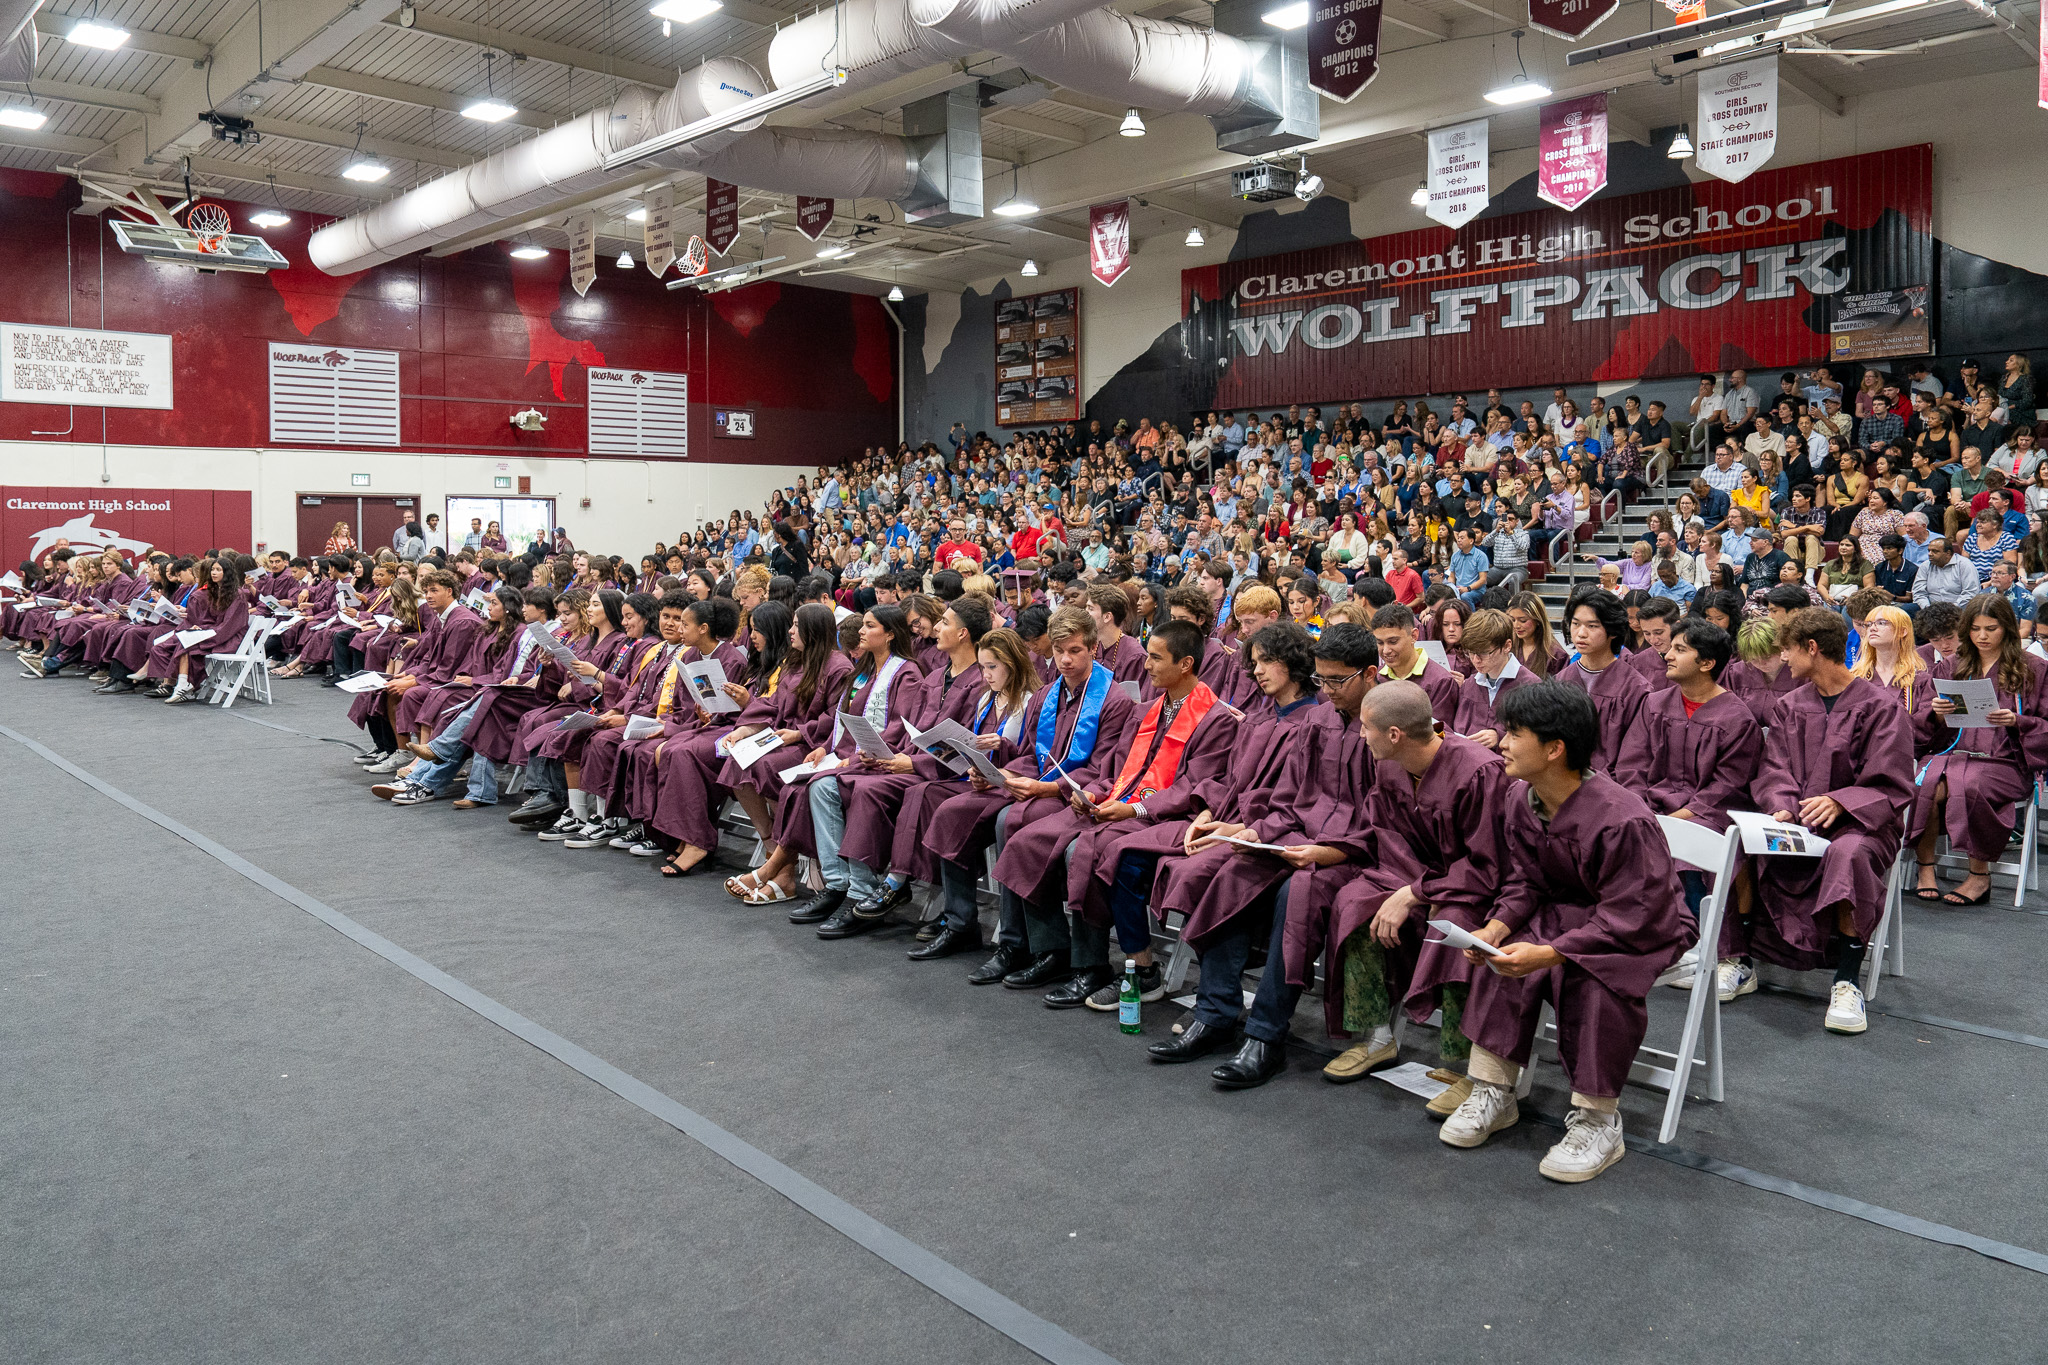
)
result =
(953, 938)
(1039, 972)
(1074, 992)
(1196, 1040)
(1256, 1063)
(1008, 958)
(114, 689)
(541, 809)
(882, 902)
(816, 906)
(931, 929)
(845, 923)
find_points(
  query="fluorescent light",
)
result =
(1016, 206)
(21, 116)
(895, 293)
(1681, 146)
(490, 111)
(637, 216)
(529, 252)
(369, 172)
(1520, 90)
(1421, 196)
(1030, 268)
(1132, 126)
(686, 11)
(832, 251)
(86, 33)
(1288, 16)
(1195, 237)
(625, 261)
(270, 218)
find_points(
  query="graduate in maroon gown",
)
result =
(440, 653)
(854, 812)
(1319, 816)
(1654, 622)
(600, 773)
(1759, 675)
(1590, 914)
(1177, 742)
(1490, 645)
(1115, 650)
(1597, 623)
(1224, 668)
(1972, 779)
(695, 625)
(557, 751)
(1839, 761)
(1393, 628)
(221, 611)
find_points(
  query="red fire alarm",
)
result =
(525, 483)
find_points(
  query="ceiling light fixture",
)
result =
(833, 251)
(1195, 237)
(686, 11)
(895, 293)
(274, 216)
(87, 33)
(1030, 268)
(1522, 89)
(637, 216)
(1018, 205)
(1681, 145)
(1132, 126)
(22, 116)
(1293, 15)
(490, 110)
(367, 169)
(527, 251)
(625, 261)
(1421, 196)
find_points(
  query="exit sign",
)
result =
(501, 481)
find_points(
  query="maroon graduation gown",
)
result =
(1650, 664)
(639, 763)
(871, 801)
(624, 666)
(1618, 693)
(1989, 769)
(1703, 763)
(793, 825)
(1125, 660)
(687, 794)
(909, 851)
(1761, 693)
(1477, 711)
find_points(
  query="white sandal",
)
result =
(768, 893)
(738, 888)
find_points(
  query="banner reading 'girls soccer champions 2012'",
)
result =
(1708, 276)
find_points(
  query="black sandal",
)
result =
(1953, 898)
(669, 868)
(1929, 894)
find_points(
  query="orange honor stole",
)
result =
(1132, 785)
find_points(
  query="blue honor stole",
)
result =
(1081, 744)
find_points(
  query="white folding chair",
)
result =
(2024, 868)
(228, 674)
(1672, 1071)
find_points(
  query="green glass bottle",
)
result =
(1127, 1005)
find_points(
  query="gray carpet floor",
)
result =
(230, 1133)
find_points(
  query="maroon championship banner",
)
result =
(721, 215)
(1572, 19)
(813, 216)
(34, 521)
(1343, 46)
(1109, 241)
(1571, 151)
(1038, 359)
(1706, 276)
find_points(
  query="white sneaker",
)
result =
(384, 766)
(596, 834)
(1734, 978)
(1486, 1111)
(564, 828)
(1845, 1009)
(1688, 968)
(1592, 1142)
(627, 836)
(368, 759)
(646, 848)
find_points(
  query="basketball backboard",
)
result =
(238, 251)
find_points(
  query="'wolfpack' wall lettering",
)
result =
(1704, 277)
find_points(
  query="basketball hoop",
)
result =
(696, 257)
(209, 225)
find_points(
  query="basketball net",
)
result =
(696, 258)
(209, 225)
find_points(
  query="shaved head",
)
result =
(1399, 706)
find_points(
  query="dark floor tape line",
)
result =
(286, 729)
(1932, 1020)
(1010, 1318)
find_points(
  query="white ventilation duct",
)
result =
(18, 40)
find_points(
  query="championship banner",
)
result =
(1343, 46)
(658, 241)
(1738, 119)
(1109, 241)
(813, 216)
(721, 215)
(582, 229)
(1457, 173)
(1571, 150)
(1572, 19)
(1700, 276)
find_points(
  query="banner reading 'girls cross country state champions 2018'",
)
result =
(1705, 276)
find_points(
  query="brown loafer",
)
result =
(466, 804)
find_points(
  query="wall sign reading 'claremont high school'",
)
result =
(1700, 277)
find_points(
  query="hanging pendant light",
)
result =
(1681, 145)
(1030, 268)
(1195, 237)
(895, 293)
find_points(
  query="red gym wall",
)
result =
(479, 335)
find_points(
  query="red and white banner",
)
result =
(721, 215)
(1738, 119)
(34, 521)
(1343, 46)
(1571, 150)
(1687, 11)
(1569, 18)
(658, 241)
(1109, 241)
(582, 229)
(813, 216)
(1458, 178)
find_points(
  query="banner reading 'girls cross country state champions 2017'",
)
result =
(1702, 276)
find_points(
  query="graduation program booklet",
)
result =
(1459, 937)
(707, 681)
(1762, 834)
(865, 736)
(829, 763)
(1244, 840)
(1434, 651)
(551, 642)
(945, 742)
(1972, 696)
(364, 682)
(582, 720)
(748, 751)
(640, 727)
(189, 638)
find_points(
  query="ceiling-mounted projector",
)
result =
(1262, 182)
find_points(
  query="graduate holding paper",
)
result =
(1972, 777)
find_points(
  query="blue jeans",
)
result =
(449, 751)
(1220, 996)
(1128, 899)
(828, 824)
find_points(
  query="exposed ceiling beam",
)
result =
(385, 147)
(754, 14)
(1415, 19)
(1823, 96)
(1182, 207)
(1620, 125)
(1046, 226)
(420, 96)
(524, 44)
(139, 40)
(1035, 125)
(250, 173)
(49, 142)
(93, 96)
